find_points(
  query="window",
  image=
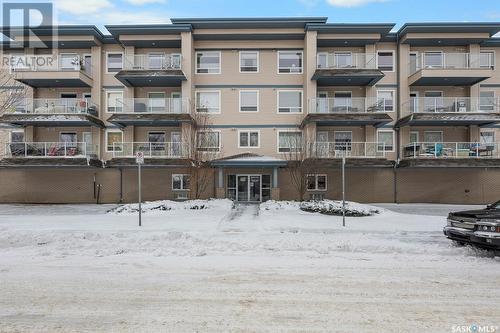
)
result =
(343, 60)
(433, 136)
(487, 59)
(208, 101)
(156, 102)
(343, 140)
(433, 101)
(322, 61)
(114, 62)
(385, 140)
(316, 182)
(208, 62)
(156, 60)
(69, 61)
(249, 61)
(385, 61)
(17, 136)
(249, 101)
(342, 101)
(433, 59)
(68, 137)
(208, 141)
(114, 101)
(248, 139)
(290, 62)
(181, 182)
(487, 100)
(487, 137)
(413, 137)
(385, 100)
(290, 101)
(157, 140)
(289, 141)
(114, 139)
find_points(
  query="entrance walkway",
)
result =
(244, 217)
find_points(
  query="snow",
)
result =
(273, 268)
(329, 207)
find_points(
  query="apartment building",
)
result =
(414, 112)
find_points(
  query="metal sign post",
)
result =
(343, 191)
(139, 159)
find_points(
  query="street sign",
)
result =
(139, 157)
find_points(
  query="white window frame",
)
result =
(249, 91)
(111, 130)
(394, 93)
(289, 90)
(480, 136)
(258, 61)
(316, 175)
(248, 133)
(393, 60)
(278, 139)
(73, 66)
(183, 188)
(424, 64)
(107, 54)
(220, 141)
(289, 51)
(492, 65)
(414, 132)
(106, 100)
(480, 100)
(393, 140)
(431, 131)
(317, 59)
(196, 62)
(208, 91)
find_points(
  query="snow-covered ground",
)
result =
(273, 268)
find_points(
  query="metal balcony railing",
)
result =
(348, 149)
(346, 60)
(50, 63)
(51, 149)
(450, 150)
(151, 149)
(446, 60)
(154, 61)
(55, 106)
(453, 104)
(149, 105)
(350, 105)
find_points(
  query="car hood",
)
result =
(478, 214)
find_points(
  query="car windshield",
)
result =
(495, 205)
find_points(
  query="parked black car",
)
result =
(476, 227)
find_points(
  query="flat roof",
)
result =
(491, 28)
(249, 22)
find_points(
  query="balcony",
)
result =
(447, 154)
(150, 111)
(347, 69)
(357, 154)
(50, 154)
(49, 71)
(155, 153)
(451, 111)
(152, 70)
(450, 69)
(53, 112)
(356, 111)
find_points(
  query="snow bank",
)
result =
(167, 205)
(328, 207)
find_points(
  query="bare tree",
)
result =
(11, 91)
(203, 146)
(298, 151)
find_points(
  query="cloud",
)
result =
(82, 7)
(143, 2)
(352, 3)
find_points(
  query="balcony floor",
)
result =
(50, 162)
(51, 120)
(149, 119)
(347, 77)
(156, 162)
(448, 119)
(429, 162)
(149, 78)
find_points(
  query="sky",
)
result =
(101, 12)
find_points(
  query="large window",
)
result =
(316, 182)
(208, 141)
(290, 62)
(208, 101)
(433, 59)
(114, 101)
(248, 139)
(487, 59)
(289, 141)
(249, 101)
(181, 182)
(69, 61)
(385, 61)
(208, 62)
(385, 100)
(290, 101)
(114, 62)
(433, 136)
(385, 140)
(487, 101)
(114, 139)
(249, 61)
(16, 136)
(487, 137)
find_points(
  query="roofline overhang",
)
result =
(491, 28)
(254, 22)
(347, 28)
(47, 30)
(249, 164)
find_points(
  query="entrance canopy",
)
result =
(248, 160)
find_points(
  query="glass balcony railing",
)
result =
(453, 104)
(348, 149)
(446, 60)
(51, 150)
(451, 150)
(151, 149)
(55, 106)
(156, 61)
(351, 105)
(149, 105)
(51, 63)
(346, 60)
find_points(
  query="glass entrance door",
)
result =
(249, 188)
